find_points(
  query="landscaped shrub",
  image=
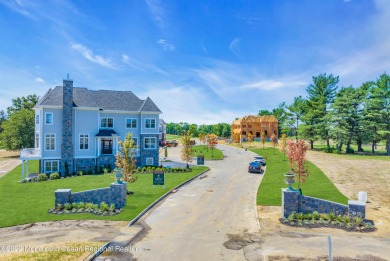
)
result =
(59, 206)
(42, 177)
(80, 205)
(104, 206)
(330, 150)
(79, 173)
(68, 206)
(54, 175)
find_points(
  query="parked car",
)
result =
(254, 166)
(171, 143)
(260, 159)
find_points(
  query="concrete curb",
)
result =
(132, 222)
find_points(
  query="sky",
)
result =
(201, 62)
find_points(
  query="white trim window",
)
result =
(149, 161)
(37, 119)
(37, 140)
(50, 141)
(84, 141)
(150, 143)
(131, 123)
(150, 123)
(51, 165)
(48, 118)
(107, 122)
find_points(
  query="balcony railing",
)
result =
(30, 153)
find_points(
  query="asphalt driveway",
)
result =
(194, 223)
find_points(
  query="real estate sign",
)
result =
(158, 177)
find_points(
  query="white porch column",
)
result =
(27, 167)
(22, 169)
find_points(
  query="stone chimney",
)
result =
(67, 128)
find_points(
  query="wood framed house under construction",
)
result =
(254, 125)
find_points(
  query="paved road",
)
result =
(193, 223)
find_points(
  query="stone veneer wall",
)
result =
(67, 127)
(148, 153)
(84, 164)
(115, 194)
(104, 160)
(292, 201)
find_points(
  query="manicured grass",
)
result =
(317, 185)
(172, 137)
(216, 154)
(29, 202)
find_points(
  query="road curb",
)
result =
(132, 222)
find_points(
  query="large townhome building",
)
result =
(79, 129)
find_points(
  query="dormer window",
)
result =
(107, 123)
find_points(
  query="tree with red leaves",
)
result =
(296, 153)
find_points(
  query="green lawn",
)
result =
(203, 149)
(317, 185)
(172, 137)
(29, 202)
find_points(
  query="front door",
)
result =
(106, 146)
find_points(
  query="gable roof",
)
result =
(101, 99)
(253, 119)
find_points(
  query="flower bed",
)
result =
(102, 209)
(316, 220)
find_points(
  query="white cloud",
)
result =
(157, 11)
(89, 55)
(234, 47)
(39, 80)
(270, 85)
(165, 45)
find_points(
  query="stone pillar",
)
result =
(356, 208)
(290, 202)
(62, 196)
(118, 194)
(67, 127)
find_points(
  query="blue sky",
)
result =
(200, 61)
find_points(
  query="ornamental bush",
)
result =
(42, 177)
(54, 175)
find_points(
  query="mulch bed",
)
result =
(328, 224)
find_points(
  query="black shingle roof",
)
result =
(102, 99)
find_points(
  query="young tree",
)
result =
(296, 153)
(125, 158)
(263, 138)
(250, 138)
(212, 142)
(296, 110)
(18, 131)
(283, 145)
(274, 140)
(186, 151)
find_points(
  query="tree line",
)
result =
(220, 129)
(346, 115)
(17, 124)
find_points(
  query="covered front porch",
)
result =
(26, 155)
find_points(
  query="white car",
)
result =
(259, 159)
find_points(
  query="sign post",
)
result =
(158, 178)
